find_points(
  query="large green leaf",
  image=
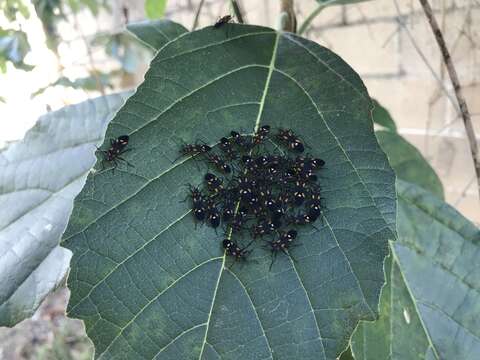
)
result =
(408, 163)
(148, 285)
(430, 308)
(40, 176)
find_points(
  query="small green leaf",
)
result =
(408, 163)
(382, 117)
(155, 9)
(14, 47)
(41, 175)
(430, 308)
(148, 284)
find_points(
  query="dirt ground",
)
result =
(48, 335)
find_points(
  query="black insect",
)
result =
(239, 219)
(198, 204)
(222, 21)
(283, 243)
(214, 218)
(249, 164)
(261, 134)
(305, 167)
(299, 195)
(117, 147)
(220, 164)
(288, 138)
(226, 145)
(195, 194)
(314, 210)
(194, 149)
(214, 184)
(228, 211)
(265, 227)
(213, 214)
(232, 249)
(246, 186)
(243, 142)
(302, 219)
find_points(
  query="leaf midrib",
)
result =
(257, 125)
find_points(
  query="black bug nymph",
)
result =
(219, 164)
(226, 145)
(232, 249)
(117, 147)
(261, 134)
(283, 243)
(198, 205)
(214, 184)
(288, 138)
(222, 21)
(194, 149)
(243, 142)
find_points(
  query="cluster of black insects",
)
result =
(262, 193)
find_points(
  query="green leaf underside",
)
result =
(408, 163)
(149, 285)
(40, 177)
(156, 33)
(430, 309)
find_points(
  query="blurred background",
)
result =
(59, 52)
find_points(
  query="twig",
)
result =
(288, 20)
(464, 192)
(306, 23)
(197, 14)
(237, 11)
(422, 55)
(467, 120)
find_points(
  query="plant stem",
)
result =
(288, 21)
(313, 15)
(197, 14)
(447, 59)
(237, 11)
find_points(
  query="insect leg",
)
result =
(129, 164)
(274, 257)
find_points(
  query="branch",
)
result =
(288, 20)
(313, 15)
(197, 14)
(467, 120)
(237, 11)
(419, 51)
